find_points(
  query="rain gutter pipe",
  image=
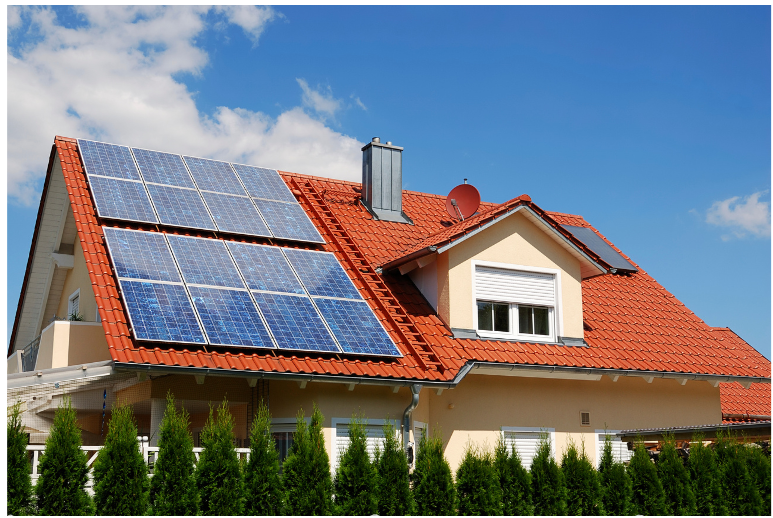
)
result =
(415, 389)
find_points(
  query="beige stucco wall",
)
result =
(65, 343)
(78, 277)
(515, 240)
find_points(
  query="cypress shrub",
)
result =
(583, 492)
(355, 480)
(120, 474)
(514, 481)
(306, 477)
(548, 490)
(263, 495)
(433, 487)
(477, 485)
(616, 487)
(173, 486)
(705, 478)
(739, 492)
(393, 486)
(19, 485)
(675, 480)
(648, 497)
(758, 465)
(218, 476)
(61, 487)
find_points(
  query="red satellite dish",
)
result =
(463, 201)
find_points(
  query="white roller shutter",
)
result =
(526, 444)
(620, 451)
(500, 285)
(374, 434)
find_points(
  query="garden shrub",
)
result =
(477, 484)
(61, 486)
(675, 479)
(548, 490)
(120, 473)
(433, 486)
(355, 480)
(740, 496)
(583, 492)
(514, 481)
(173, 486)
(19, 484)
(393, 486)
(616, 487)
(648, 497)
(218, 476)
(705, 478)
(263, 495)
(758, 464)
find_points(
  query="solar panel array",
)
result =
(199, 290)
(602, 249)
(153, 187)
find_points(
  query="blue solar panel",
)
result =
(356, 327)
(108, 160)
(163, 168)
(205, 261)
(598, 245)
(230, 318)
(121, 199)
(322, 274)
(265, 268)
(288, 221)
(141, 255)
(295, 323)
(264, 183)
(181, 207)
(211, 175)
(235, 214)
(161, 312)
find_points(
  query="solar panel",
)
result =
(322, 274)
(108, 160)
(141, 255)
(265, 268)
(295, 323)
(161, 312)
(163, 168)
(356, 327)
(180, 207)
(235, 214)
(264, 183)
(598, 245)
(121, 199)
(288, 221)
(230, 318)
(205, 261)
(212, 175)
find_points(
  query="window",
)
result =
(283, 430)
(515, 303)
(526, 441)
(73, 304)
(374, 431)
(620, 451)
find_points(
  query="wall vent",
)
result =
(584, 418)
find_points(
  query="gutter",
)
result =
(407, 259)
(710, 430)
(415, 389)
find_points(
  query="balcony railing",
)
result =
(29, 355)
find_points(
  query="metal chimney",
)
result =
(382, 181)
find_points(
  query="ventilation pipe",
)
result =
(410, 448)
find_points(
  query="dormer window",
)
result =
(516, 302)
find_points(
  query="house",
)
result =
(510, 322)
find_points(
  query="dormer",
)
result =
(509, 273)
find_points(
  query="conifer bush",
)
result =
(433, 486)
(583, 492)
(19, 485)
(648, 497)
(355, 480)
(514, 481)
(675, 479)
(61, 486)
(218, 476)
(616, 487)
(548, 490)
(307, 481)
(477, 484)
(263, 495)
(758, 464)
(120, 475)
(173, 486)
(705, 478)
(393, 485)
(739, 492)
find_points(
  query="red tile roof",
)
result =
(632, 322)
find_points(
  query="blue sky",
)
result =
(651, 122)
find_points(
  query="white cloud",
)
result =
(112, 79)
(321, 102)
(358, 102)
(252, 19)
(14, 16)
(745, 216)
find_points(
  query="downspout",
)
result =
(415, 389)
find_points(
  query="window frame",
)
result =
(75, 295)
(554, 313)
(335, 421)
